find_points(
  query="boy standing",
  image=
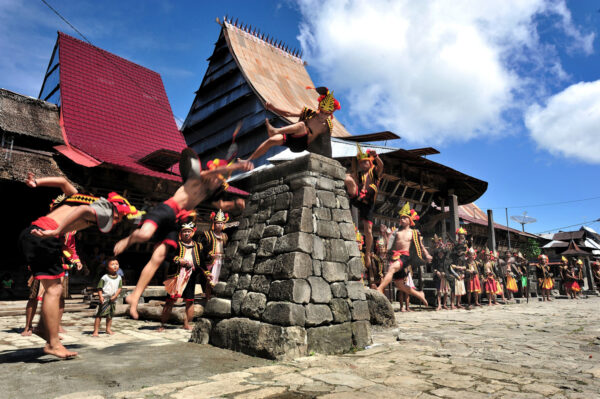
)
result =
(109, 288)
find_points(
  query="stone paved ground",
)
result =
(537, 350)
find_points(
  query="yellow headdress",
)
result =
(359, 237)
(410, 213)
(360, 155)
(564, 259)
(461, 230)
(326, 100)
(219, 217)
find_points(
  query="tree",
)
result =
(532, 249)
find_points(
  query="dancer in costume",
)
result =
(407, 248)
(544, 277)
(299, 135)
(511, 272)
(500, 272)
(442, 280)
(183, 284)
(379, 261)
(576, 272)
(490, 278)
(362, 187)
(109, 289)
(42, 244)
(161, 224)
(213, 244)
(474, 283)
(522, 266)
(566, 277)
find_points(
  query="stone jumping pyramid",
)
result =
(292, 284)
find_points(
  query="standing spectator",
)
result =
(109, 288)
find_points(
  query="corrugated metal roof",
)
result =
(276, 75)
(339, 149)
(113, 110)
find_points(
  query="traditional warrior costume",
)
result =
(444, 280)
(44, 255)
(187, 261)
(573, 275)
(299, 142)
(378, 263)
(415, 253)
(543, 273)
(473, 272)
(213, 248)
(367, 187)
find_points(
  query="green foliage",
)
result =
(532, 250)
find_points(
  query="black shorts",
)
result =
(167, 229)
(365, 211)
(43, 255)
(400, 274)
(296, 144)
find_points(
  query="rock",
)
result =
(292, 242)
(328, 229)
(320, 290)
(260, 339)
(327, 199)
(265, 266)
(218, 307)
(318, 314)
(361, 334)
(260, 283)
(355, 268)
(317, 267)
(236, 301)
(330, 339)
(339, 290)
(304, 197)
(347, 231)
(293, 290)
(253, 305)
(341, 215)
(256, 232)
(318, 252)
(352, 248)
(335, 251)
(380, 309)
(356, 290)
(343, 201)
(273, 231)
(300, 220)
(360, 310)
(248, 263)
(283, 201)
(322, 213)
(278, 218)
(266, 246)
(244, 282)
(334, 271)
(284, 313)
(293, 265)
(201, 331)
(340, 310)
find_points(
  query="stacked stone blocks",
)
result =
(292, 285)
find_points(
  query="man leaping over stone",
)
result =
(407, 247)
(299, 135)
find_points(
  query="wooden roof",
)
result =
(274, 74)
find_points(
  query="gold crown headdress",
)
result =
(360, 155)
(410, 213)
(563, 259)
(219, 217)
(579, 262)
(461, 230)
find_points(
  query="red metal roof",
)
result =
(473, 214)
(113, 110)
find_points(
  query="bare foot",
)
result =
(109, 332)
(95, 334)
(121, 246)
(438, 308)
(132, 307)
(455, 307)
(380, 289)
(403, 310)
(421, 296)
(445, 307)
(187, 328)
(59, 351)
(270, 129)
(26, 333)
(160, 329)
(409, 310)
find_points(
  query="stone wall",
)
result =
(292, 285)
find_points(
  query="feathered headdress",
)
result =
(461, 231)
(579, 262)
(543, 257)
(380, 243)
(326, 100)
(437, 240)
(216, 163)
(57, 201)
(219, 217)
(123, 206)
(563, 259)
(410, 213)
(188, 226)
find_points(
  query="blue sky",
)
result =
(509, 91)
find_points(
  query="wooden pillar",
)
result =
(491, 231)
(454, 222)
(588, 275)
(444, 237)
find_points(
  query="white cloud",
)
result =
(569, 123)
(436, 70)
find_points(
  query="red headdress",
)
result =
(326, 101)
(123, 206)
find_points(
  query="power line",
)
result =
(546, 204)
(573, 225)
(105, 56)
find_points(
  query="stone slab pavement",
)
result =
(538, 350)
